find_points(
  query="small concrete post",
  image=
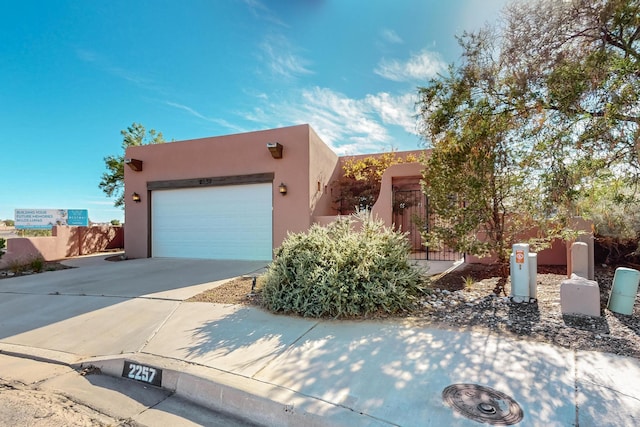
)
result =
(580, 259)
(533, 275)
(589, 240)
(585, 231)
(579, 295)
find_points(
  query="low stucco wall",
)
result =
(65, 242)
(554, 255)
(559, 252)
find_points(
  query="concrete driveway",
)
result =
(104, 307)
(285, 370)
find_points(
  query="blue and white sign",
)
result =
(78, 217)
(45, 219)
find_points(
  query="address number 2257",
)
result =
(142, 373)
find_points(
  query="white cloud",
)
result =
(107, 66)
(395, 110)
(343, 122)
(278, 54)
(349, 126)
(261, 11)
(421, 66)
(197, 114)
(391, 36)
(187, 109)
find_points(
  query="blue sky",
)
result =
(75, 73)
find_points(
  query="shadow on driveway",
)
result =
(105, 308)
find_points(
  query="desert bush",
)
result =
(36, 264)
(17, 266)
(338, 271)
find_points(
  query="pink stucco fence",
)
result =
(65, 242)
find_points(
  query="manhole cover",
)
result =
(482, 404)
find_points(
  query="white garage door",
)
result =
(228, 222)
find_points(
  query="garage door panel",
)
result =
(231, 222)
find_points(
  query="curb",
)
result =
(259, 402)
(39, 354)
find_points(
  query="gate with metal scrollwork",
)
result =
(411, 215)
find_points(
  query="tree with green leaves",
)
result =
(112, 182)
(573, 70)
(542, 108)
(474, 177)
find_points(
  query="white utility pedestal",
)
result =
(520, 278)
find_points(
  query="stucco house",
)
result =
(236, 196)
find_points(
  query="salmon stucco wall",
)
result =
(554, 255)
(231, 155)
(383, 208)
(64, 242)
(323, 165)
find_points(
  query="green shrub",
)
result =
(339, 272)
(37, 264)
(2, 246)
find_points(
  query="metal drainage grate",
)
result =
(483, 404)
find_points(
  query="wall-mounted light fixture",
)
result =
(275, 148)
(136, 197)
(282, 188)
(134, 164)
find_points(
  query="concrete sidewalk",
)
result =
(281, 370)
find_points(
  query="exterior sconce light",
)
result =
(135, 197)
(134, 164)
(275, 148)
(282, 188)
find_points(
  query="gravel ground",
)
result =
(465, 299)
(477, 307)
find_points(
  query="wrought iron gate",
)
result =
(411, 215)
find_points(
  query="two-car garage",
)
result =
(217, 222)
